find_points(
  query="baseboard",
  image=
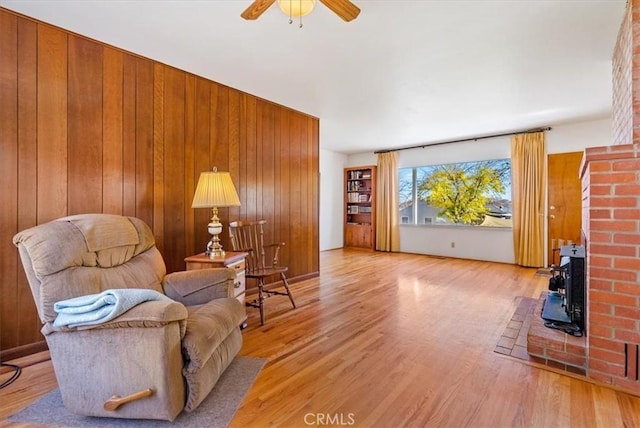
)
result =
(22, 351)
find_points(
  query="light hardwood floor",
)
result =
(390, 340)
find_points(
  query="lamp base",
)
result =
(213, 253)
(214, 248)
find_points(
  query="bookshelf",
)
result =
(360, 207)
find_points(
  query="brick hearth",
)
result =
(554, 347)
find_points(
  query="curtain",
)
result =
(528, 171)
(387, 230)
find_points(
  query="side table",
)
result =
(231, 259)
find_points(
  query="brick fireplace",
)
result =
(611, 224)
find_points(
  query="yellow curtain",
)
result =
(528, 171)
(387, 230)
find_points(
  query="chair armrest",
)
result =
(196, 287)
(244, 250)
(278, 244)
(275, 251)
(152, 313)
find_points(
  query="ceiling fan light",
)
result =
(296, 8)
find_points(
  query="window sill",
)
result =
(455, 226)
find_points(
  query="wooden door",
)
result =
(565, 202)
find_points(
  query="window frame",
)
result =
(413, 218)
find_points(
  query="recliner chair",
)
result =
(156, 359)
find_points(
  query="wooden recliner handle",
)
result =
(116, 401)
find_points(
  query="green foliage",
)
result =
(462, 191)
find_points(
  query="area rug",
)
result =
(216, 410)
(544, 272)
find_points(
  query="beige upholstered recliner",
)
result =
(162, 355)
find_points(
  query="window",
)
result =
(469, 193)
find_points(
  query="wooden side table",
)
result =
(231, 259)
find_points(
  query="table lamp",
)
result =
(215, 189)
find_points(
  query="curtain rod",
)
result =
(422, 146)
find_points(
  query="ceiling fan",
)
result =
(345, 9)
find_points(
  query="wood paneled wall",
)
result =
(85, 127)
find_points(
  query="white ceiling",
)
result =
(405, 72)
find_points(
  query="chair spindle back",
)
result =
(249, 237)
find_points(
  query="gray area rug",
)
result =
(216, 410)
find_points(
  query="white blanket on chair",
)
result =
(99, 308)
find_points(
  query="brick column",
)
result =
(626, 78)
(622, 112)
(611, 224)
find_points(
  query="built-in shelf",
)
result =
(359, 207)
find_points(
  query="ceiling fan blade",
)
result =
(343, 8)
(256, 9)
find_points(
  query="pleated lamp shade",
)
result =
(215, 189)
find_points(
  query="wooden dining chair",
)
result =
(262, 261)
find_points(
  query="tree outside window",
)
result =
(470, 193)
